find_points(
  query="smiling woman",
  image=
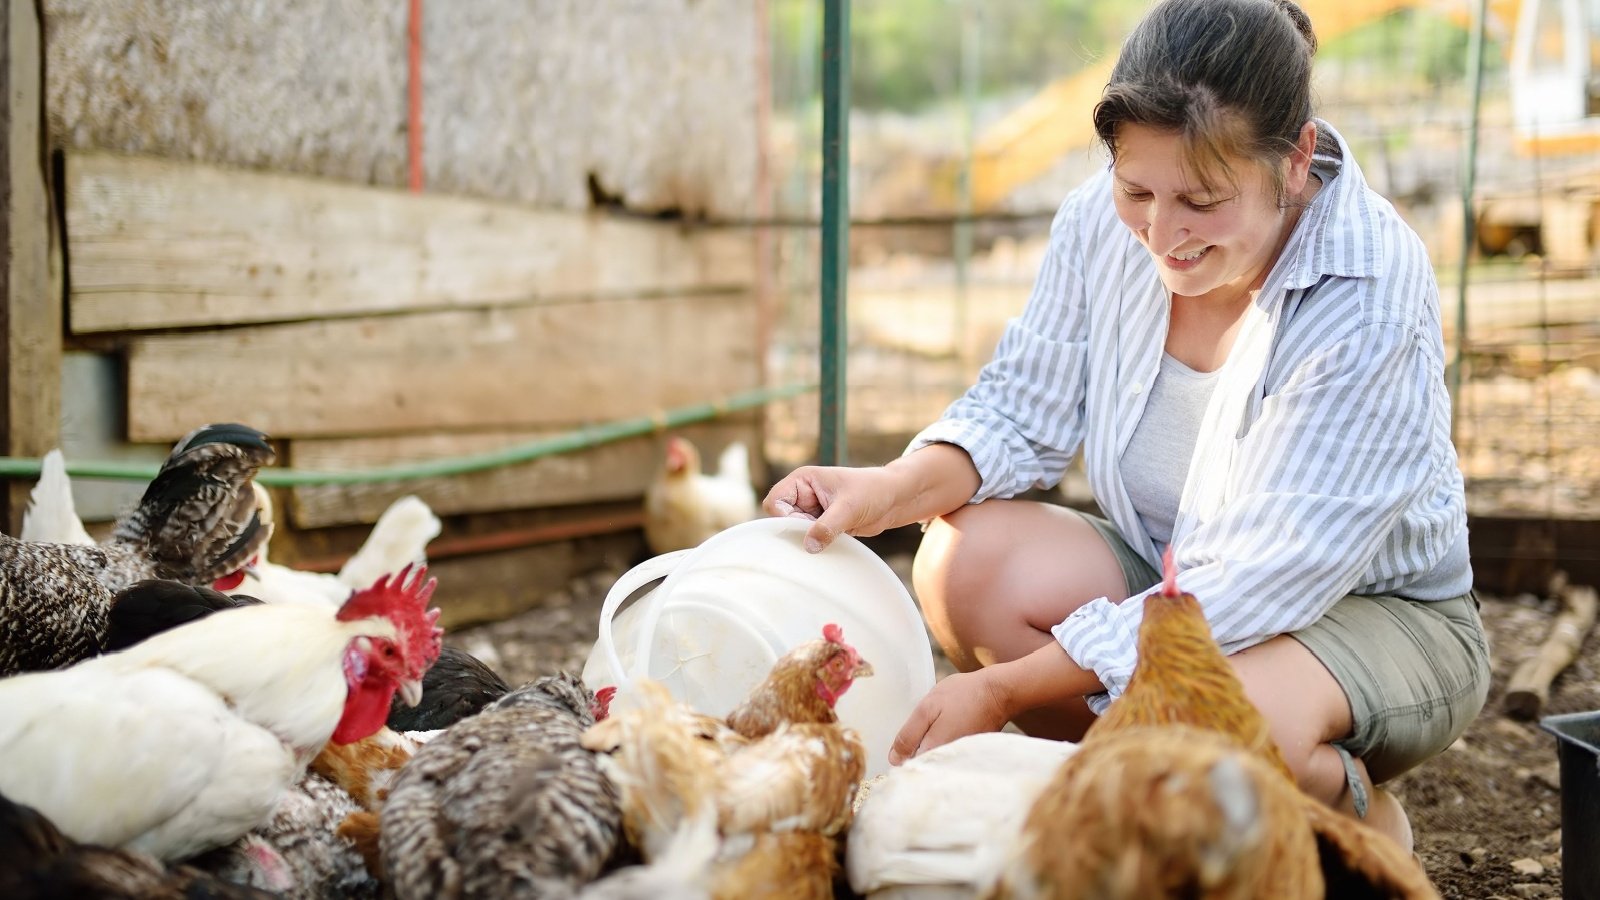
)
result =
(1243, 339)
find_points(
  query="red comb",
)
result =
(1169, 574)
(602, 702)
(402, 598)
(677, 453)
(833, 633)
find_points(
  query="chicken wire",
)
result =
(923, 316)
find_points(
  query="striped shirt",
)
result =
(1323, 466)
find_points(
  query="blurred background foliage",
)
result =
(906, 53)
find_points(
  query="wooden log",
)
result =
(542, 366)
(30, 311)
(619, 470)
(1529, 687)
(158, 244)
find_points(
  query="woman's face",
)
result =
(1203, 238)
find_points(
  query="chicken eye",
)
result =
(388, 649)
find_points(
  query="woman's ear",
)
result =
(1300, 160)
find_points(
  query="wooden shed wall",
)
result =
(234, 234)
(523, 100)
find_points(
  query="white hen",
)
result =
(683, 505)
(399, 539)
(936, 825)
(52, 516)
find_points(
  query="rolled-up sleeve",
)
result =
(1023, 419)
(1336, 458)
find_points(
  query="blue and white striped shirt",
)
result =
(1323, 466)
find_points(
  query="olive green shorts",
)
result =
(1416, 672)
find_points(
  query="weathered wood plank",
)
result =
(30, 312)
(616, 471)
(156, 244)
(456, 370)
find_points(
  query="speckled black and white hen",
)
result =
(505, 803)
(196, 522)
(298, 854)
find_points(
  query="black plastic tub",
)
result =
(1578, 751)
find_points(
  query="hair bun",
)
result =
(1302, 22)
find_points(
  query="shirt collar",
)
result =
(1339, 233)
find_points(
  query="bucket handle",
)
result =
(635, 578)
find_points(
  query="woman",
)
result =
(1245, 342)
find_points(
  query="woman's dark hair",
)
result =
(1232, 77)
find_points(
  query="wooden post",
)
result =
(30, 356)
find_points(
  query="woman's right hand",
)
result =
(838, 500)
(928, 482)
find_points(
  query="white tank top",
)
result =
(1156, 461)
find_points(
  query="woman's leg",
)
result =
(1307, 710)
(995, 577)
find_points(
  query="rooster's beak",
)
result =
(411, 692)
(863, 670)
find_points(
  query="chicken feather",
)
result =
(1125, 780)
(683, 505)
(52, 515)
(799, 778)
(38, 862)
(188, 739)
(398, 539)
(196, 521)
(298, 853)
(1168, 811)
(937, 819)
(505, 802)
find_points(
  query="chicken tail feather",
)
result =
(52, 516)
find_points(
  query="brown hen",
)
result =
(803, 686)
(1183, 678)
(781, 774)
(1168, 811)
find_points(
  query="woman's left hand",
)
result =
(962, 704)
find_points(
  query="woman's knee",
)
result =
(1001, 573)
(947, 575)
(946, 572)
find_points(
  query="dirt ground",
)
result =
(1487, 812)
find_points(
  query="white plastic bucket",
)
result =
(726, 610)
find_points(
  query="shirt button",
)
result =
(1136, 388)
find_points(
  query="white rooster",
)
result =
(683, 505)
(189, 739)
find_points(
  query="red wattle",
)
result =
(228, 582)
(828, 694)
(367, 698)
(365, 710)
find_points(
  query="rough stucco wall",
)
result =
(523, 99)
